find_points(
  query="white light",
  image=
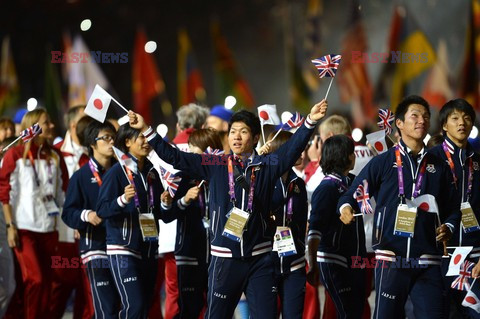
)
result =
(162, 130)
(32, 104)
(426, 139)
(230, 102)
(474, 132)
(286, 116)
(357, 134)
(86, 25)
(150, 46)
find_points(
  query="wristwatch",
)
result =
(11, 224)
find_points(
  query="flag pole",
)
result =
(276, 134)
(126, 111)
(263, 134)
(329, 86)
(9, 145)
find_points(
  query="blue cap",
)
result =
(17, 119)
(221, 112)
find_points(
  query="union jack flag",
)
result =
(29, 133)
(211, 151)
(295, 121)
(462, 281)
(386, 120)
(172, 181)
(327, 65)
(363, 198)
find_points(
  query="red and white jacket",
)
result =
(19, 188)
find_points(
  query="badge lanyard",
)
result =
(148, 188)
(452, 168)
(418, 183)
(231, 185)
(32, 162)
(95, 173)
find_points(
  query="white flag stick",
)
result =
(356, 215)
(9, 145)
(120, 104)
(276, 134)
(329, 86)
(263, 134)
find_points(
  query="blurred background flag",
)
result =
(9, 88)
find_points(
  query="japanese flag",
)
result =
(377, 140)
(268, 114)
(125, 160)
(98, 103)
(471, 299)
(457, 259)
(425, 202)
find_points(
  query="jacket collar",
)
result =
(454, 149)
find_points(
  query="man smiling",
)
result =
(403, 231)
(240, 194)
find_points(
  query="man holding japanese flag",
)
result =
(413, 234)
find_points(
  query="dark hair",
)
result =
(452, 105)
(204, 138)
(91, 133)
(402, 107)
(281, 139)
(5, 122)
(4, 143)
(335, 154)
(125, 132)
(250, 119)
(82, 125)
(435, 140)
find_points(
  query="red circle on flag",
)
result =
(98, 104)
(378, 146)
(457, 259)
(424, 206)
(470, 300)
(264, 115)
(124, 157)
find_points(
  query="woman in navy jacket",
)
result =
(131, 193)
(331, 243)
(79, 213)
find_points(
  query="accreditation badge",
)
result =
(148, 227)
(283, 242)
(405, 221)
(235, 224)
(50, 205)
(469, 221)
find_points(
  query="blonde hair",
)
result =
(336, 124)
(29, 119)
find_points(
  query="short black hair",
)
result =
(402, 107)
(250, 119)
(459, 105)
(336, 151)
(125, 132)
(91, 133)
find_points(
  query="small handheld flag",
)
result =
(172, 181)
(386, 120)
(268, 115)
(125, 161)
(295, 121)
(26, 135)
(211, 151)
(457, 259)
(363, 198)
(462, 281)
(327, 67)
(98, 103)
(472, 298)
(377, 141)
